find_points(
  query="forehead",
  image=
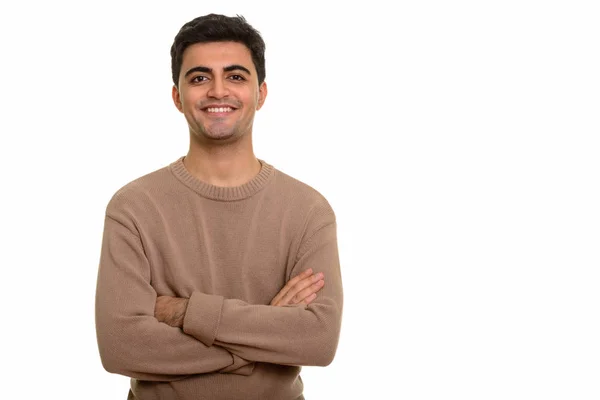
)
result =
(217, 55)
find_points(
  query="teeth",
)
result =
(219, 109)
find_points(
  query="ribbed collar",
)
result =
(221, 193)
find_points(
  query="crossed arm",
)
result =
(302, 289)
(134, 341)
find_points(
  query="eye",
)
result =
(198, 79)
(237, 78)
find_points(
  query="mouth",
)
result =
(219, 110)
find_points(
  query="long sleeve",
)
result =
(131, 340)
(290, 335)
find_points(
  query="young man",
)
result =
(219, 275)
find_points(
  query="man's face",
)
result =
(218, 91)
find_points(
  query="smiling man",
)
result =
(219, 275)
(219, 101)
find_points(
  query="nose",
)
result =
(218, 89)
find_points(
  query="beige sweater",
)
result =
(230, 250)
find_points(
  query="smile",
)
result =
(219, 109)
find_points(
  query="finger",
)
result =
(292, 288)
(303, 284)
(309, 291)
(298, 287)
(309, 299)
(290, 284)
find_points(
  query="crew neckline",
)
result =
(223, 193)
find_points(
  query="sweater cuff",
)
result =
(202, 317)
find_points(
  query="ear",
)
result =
(177, 98)
(262, 95)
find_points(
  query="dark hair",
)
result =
(218, 28)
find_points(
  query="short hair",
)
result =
(218, 28)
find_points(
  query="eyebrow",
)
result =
(229, 68)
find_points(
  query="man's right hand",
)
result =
(302, 289)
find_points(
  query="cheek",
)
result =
(254, 100)
(189, 106)
(189, 98)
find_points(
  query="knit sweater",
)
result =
(230, 250)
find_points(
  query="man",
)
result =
(219, 275)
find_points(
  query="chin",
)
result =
(219, 136)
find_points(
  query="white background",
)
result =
(457, 142)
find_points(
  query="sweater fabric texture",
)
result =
(230, 250)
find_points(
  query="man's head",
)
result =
(218, 28)
(218, 75)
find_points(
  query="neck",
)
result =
(226, 166)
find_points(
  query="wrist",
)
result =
(181, 309)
